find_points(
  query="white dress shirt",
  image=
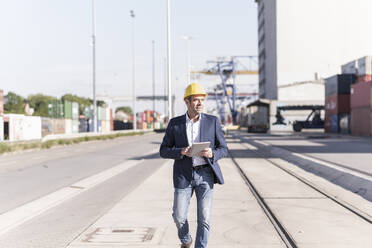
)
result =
(193, 136)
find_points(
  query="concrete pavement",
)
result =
(143, 218)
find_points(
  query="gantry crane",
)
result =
(227, 68)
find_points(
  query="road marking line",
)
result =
(339, 168)
(261, 142)
(250, 147)
(21, 214)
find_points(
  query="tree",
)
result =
(82, 101)
(125, 109)
(13, 103)
(40, 102)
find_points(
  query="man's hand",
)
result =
(186, 151)
(207, 152)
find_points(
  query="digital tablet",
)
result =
(196, 148)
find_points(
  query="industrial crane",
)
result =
(227, 68)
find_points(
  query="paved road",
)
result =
(25, 178)
(353, 152)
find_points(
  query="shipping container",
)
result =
(100, 113)
(75, 126)
(46, 126)
(88, 112)
(104, 126)
(361, 121)
(90, 125)
(111, 120)
(75, 111)
(99, 126)
(365, 66)
(55, 109)
(68, 109)
(68, 126)
(107, 114)
(21, 127)
(336, 104)
(360, 95)
(1, 128)
(327, 123)
(363, 78)
(71, 110)
(58, 126)
(83, 125)
(1, 102)
(120, 125)
(350, 68)
(344, 123)
(339, 84)
(331, 123)
(157, 125)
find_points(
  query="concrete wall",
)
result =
(303, 91)
(311, 37)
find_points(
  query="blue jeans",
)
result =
(202, 184)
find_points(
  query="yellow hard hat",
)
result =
(194, 89)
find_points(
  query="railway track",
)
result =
(280, 228)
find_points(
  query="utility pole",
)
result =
(153, 84)
(94, 67)
(188, 38)
(133, 75)
(169, 76)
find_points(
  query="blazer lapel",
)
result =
(202, 122)
(183, 131)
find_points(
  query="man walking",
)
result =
(197, 173)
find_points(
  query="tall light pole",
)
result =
(94, 66)
(169, 75)
(133, 76)
(153, 84)
(188, 38)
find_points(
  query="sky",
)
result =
(46, 45)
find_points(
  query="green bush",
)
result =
(4, 148)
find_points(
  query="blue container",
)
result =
(99, 126)
(344, 123)
(90, 125)
(334, 124)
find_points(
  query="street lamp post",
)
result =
(133, 76)
(94, 66)
(169, 75)
(188, 38)
(153, 84)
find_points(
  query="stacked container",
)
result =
(111, 120)
(337, 103)
(71, 117)
(364, 69)
(1, 102)
(55, 110)
(1, 115)
(21, 127)
(361, 108)
(52, 126)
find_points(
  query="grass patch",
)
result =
(60, 142)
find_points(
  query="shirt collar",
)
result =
(189, 120)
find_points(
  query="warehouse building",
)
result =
(302, 40)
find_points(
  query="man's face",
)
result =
(195, 105)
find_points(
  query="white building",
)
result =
(303, 40)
